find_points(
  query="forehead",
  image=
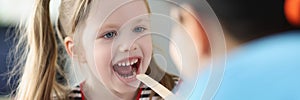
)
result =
(116, 11)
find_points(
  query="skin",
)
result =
(190, 31)
(110, 39)
(191, 28)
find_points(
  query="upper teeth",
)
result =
(128, 63)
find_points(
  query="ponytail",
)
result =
(39, 69)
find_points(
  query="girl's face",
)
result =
(122, 47)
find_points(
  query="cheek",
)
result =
(146, 44)
(102, 56)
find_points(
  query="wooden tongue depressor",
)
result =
(154, 85)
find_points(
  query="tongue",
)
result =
(123, 69)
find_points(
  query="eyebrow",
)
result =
(140, 20)
(112, 25)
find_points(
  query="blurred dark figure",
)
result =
(246, 20)
(263, 57)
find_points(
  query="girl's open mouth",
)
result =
(128, 68)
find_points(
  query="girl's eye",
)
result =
(110, 34)
(139, 29)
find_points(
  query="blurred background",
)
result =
(13, 12)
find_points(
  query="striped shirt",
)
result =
(143, 93)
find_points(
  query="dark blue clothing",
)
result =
(266, 69)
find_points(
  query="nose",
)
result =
(127, 47)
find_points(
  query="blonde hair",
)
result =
(38, 44)
(37, 50)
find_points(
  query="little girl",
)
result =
(110, 37)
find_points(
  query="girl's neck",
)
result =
(127, 96)
(94, 90)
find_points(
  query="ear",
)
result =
(189, 20)
(70, 48)
(292, 11)
(69, 45)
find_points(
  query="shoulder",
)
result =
(146, 92)
(75, 93)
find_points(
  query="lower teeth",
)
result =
(131, 75)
